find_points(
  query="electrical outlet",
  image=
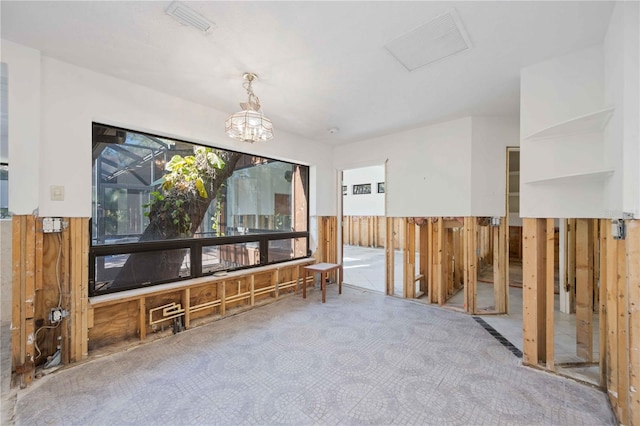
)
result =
(51, 225)
(57, 314)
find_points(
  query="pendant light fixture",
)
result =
(249, 125)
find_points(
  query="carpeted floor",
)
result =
(361, 358)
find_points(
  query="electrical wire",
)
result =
(35, 336)
(58, 270)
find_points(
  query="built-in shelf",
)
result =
(587, 123)
(575, 177)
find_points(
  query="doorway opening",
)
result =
(364, 227)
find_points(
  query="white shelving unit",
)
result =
(575, 178)
(587, 123)
(593, 122)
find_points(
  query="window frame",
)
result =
(196, 243)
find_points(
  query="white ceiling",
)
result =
(321, 64)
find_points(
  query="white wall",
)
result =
(559, 89)
(23, 69)
(71, 97)
(428, 169)
(621, 71)
(363, 204)
(490, 138)
(455, 168)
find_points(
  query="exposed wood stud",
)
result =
(633, 283)
(409, 259)
(571, 263)
(438, 250)
(623, 334)
(612, 316)
(584, 289)
(389, 256)
(142, 318)
(602, 308)
(424, 257)
(530, 292)
(550, 294)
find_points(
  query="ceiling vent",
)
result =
(439, 38)
(187, 16)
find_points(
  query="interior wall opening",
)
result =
(364, 229)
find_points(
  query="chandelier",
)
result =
(249, 125)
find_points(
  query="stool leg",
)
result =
(324, 287)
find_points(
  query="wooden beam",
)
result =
(623, 334)
(142, 317)
(633, 283)
(500, 260)
(611, 318)
(409, 259)
(430, 259)
(439, 282)
(602, 306)
(571, 263)
(424, 256)
(471, 259)
(78, 286)
(448, 262)
(465, 260)
(534, 291)
(389, 255)
(504, 270)
(550, 294)
(584, 289)
(186, 305)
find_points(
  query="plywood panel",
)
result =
(113, 324)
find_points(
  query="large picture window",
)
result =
(165, 209)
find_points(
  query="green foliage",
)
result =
(186, 181)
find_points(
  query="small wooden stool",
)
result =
(323, 269)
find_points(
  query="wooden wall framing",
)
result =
(607, 281)
(137, 314)
(450, 250)
(620, 275)
(50, 270)
(85, 328)
(41, 262)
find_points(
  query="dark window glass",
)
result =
(151, 192)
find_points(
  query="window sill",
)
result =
(135, 294)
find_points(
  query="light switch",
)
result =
(57, 192)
